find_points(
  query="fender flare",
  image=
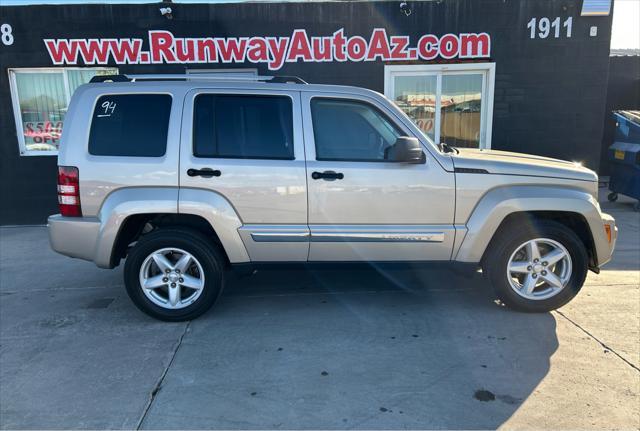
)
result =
(498, 203)
(222, 217)
(125, 202)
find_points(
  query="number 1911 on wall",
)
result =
(543, 27)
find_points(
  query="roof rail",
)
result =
(198, 77)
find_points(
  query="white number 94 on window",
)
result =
(108, 108)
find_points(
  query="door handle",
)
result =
(327, 175)
(204, 172)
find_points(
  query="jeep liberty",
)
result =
(183, 177)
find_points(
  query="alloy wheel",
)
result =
(171, 278)
(539, 269)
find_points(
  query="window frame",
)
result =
(15, 102)
(488, 71)
(379, 111)
(134, 93)
(193, 126)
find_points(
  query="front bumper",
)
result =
(603, 244)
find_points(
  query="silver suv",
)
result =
(187, 176)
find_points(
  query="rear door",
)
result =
(363, 207)
(246, 145)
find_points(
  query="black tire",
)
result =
(206, 252)
(505, 243)
(612, 197)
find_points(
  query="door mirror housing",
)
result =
(406, 150)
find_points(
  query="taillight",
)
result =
(69, 191)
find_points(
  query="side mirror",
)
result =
(406, 150)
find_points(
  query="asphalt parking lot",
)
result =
(366, 348)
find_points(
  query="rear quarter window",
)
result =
(132, 125)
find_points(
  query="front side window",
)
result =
(133, 125)
(40, 100)
(350, 130)
(243, 126)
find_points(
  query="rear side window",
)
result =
(247, 127)
(130, 125)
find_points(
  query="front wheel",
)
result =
(174, 274)
(537, 267)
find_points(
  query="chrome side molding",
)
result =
(277, 233)
(280, 236)
(346, 233)
(378, 237)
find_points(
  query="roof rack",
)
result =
(198, 77)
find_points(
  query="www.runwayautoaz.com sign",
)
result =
(164, 47)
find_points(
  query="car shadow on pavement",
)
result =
(369, 347)
(357, 348)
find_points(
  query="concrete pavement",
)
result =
(366, 348)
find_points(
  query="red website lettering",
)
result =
(165, 47)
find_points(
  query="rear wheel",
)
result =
(174, 274)
(612, 197)
(537, 267)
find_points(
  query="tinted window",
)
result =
(350, 130)
(130, 125)
(252, 127)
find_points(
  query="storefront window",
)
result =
(460, 110)
(40, 99)
(416, 95)
(450, 103)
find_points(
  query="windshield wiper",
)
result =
(446, 148)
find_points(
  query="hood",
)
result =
(504, 162)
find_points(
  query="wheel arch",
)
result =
(125, 213)
(574, 208)
(137, 225)
(572, 220)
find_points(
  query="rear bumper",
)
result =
(75, 237)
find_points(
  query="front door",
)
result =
(362, 206)
(246, 146)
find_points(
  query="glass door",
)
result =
(461, 109)
(450, 103)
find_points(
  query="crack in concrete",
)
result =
(625, 360)
(158, 385)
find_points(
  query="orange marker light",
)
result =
(607, 229)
